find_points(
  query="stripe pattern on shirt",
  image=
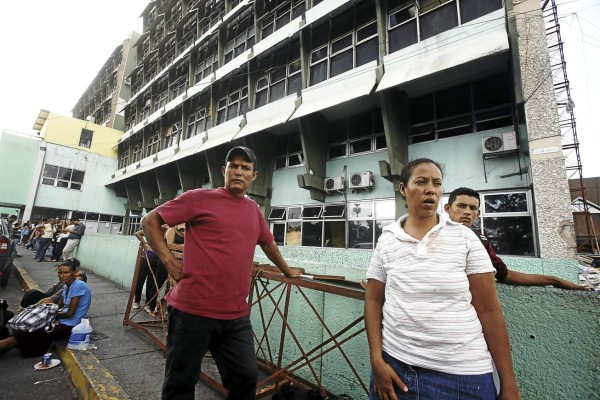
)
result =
(428, 318)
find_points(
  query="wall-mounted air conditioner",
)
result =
(361, 180)
(499, 143)
(334, 184)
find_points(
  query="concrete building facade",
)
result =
(335, 97)
(103, 101)
(61, 171)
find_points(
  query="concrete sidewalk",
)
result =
(124, 364)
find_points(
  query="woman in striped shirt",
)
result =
(433, 319)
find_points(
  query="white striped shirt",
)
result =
(428, 318)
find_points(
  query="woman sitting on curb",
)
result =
(73, 306)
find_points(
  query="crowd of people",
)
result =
(51, 239)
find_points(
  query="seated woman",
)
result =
(54, 292)
(73, 306)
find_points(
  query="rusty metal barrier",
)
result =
(282, 354)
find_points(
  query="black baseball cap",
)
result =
(243, 151)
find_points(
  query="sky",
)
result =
(52, 50)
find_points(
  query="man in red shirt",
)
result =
(463, 207)
(208, 307)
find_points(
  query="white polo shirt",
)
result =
(428, 318)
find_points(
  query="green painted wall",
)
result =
(553, 332)
(18, 154)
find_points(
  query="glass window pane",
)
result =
(278, 90)
(472, 9)
(442, 19)
(277, 213)
(380, 142)
(341, 63)
(385, 209)
(50, 171)
(403, 36)
(341, 44)
(360, 234)
(379, 225)
(335, 234)
(318, 55)
(63, 184)
(64, 173)
(279, 234)
(294, 212)
(505, 203)
(294, 83)
(77, 176)
(293, 234)
(337, 150)
(312, 212)
(334, 211)
(510, 235)
(48, 181)
(318, 73)
(75, 186)
(296, 159)
(312, 233)
(360, 146)
(360, 210)
(366, 52)
(399, 16)
(261, 98)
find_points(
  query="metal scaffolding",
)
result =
(587, 241)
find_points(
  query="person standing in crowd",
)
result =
(61, 238)
(147, 263)
(15, 234)
(47, 229)
(73, 239)
(463, 207)
(433, 319)
(174, 235)
(208, 307)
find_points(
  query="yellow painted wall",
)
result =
(66, 131)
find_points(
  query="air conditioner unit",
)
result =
(361, 180)
(499, 143)
(334, 184)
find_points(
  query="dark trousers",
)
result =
(44, 244)
(160, 274)
(141, 279)
(231, 344)
(58, 248)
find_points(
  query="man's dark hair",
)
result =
(74, 219)
(463, 191)
(12, 217)
(408, 168)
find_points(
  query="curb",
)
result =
(92, 380)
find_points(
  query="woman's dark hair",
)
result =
(408, 168)
(44, 219)
(72, 263)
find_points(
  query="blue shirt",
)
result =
(77, 289)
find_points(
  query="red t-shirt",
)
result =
(222, 232)
(501, 269)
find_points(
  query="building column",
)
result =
(394, 112)
(35, 182)
(551, 197)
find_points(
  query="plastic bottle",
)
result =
(80, 335)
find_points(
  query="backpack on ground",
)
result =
(33, 318)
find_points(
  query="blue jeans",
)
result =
(426, 384)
